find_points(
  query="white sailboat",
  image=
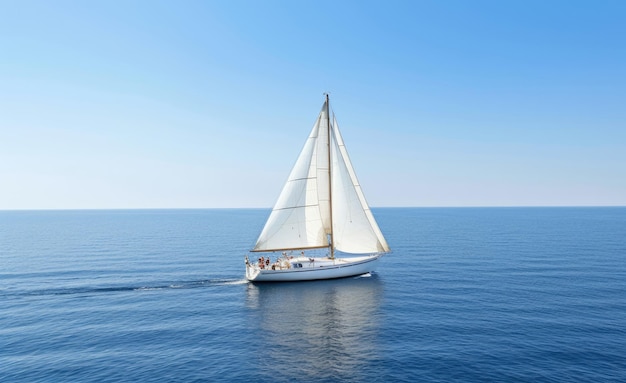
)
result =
(321, 206)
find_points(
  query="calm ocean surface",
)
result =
(468, 295)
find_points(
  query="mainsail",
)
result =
(322, 200)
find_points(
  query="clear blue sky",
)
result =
(174, 104)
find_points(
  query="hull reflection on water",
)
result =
(316, 330)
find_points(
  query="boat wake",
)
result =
(366, 275)
(88, 290)
(237, 282)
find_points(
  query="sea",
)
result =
(466, 295)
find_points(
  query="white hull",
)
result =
(308, 269)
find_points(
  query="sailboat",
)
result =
(320, 208)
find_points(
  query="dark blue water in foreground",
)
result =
(468, 295)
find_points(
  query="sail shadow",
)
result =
(316, 330)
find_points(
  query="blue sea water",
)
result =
(468, 295)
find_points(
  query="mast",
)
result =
(330, 180)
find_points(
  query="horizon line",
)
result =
(269, 208)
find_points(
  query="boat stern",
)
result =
(252, 271)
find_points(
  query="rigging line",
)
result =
(302, 178)
(295, 207)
